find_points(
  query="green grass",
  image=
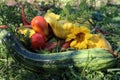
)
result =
(12, 70)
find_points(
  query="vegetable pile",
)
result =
(50, 31)
(64, 42)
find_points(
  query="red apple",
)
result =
(40, 25)
(38, 41)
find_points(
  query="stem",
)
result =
(3, 26)
(28, 26)
(113, 70)
(117, 50)
(25, 22)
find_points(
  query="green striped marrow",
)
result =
(92, 59)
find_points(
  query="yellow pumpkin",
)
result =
(99, 41)
(61, 28)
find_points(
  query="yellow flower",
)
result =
(79, 37)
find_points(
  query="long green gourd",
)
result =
(92, 59)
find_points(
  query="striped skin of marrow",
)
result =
(92, 59)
